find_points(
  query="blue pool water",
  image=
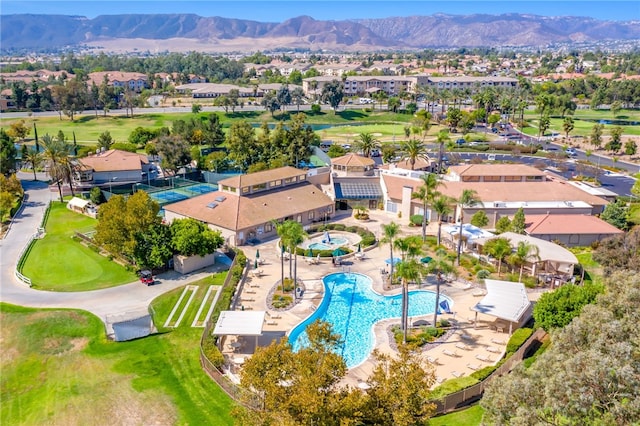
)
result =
(352, 308)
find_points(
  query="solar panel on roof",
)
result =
(212, 205)
(358, 190)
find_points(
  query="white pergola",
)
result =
(505, 300)
(240, 323)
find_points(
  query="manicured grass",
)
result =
(583, 127)
(163, 305)
(593, 269)
(58, 368)
(58, 262)
(468, 417)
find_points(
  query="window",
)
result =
(276, 183)
(471, 178)
(268, 227)
(311, 215)
(492, 178)
(288, 180)
(259, 187)
(299, 218)
(512, 178)
(245, 190)
(534, 178)
(302, 177)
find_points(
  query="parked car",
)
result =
(460, 141)
(572, 152)
(146, 277)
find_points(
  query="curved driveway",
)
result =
(129, 298)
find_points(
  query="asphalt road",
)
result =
(130, 298)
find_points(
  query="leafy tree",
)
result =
(394, 103)
(95, 195)
(301, 387)
(630, 147)
(588, 376)
(567, 125)
(468, 198)
(154, 247)
(399, 390)
(105, 140)
(191, 237)
(270, 102)
(336, 151)
(616, 106)
(297, 96)
(332, 93)
(140, 136)
(34, 158)
(616, 214)
(213, 134)
(120, 220)
(556, 309)
(454, 116)
(480, 219)
(503, 225)
(518, 224)
(621, 252)
(595, 138)
(8, 153)
(498, 248)
(283, 95)
(543, 124)
(18, 130)
(196, 108)
(615, 143)
(174, 151)
(242, 144)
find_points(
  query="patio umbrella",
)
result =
(257, 254)
(359, 249)
(255, 264)
(310, 252)
(339, 252)
(395, 261)
(426, 259)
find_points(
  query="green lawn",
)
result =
(58, 368)
(58, 262)
(471, 416)
(582, 127)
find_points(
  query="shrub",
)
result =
(288, 284)
(338, 227)
(416, 219)
(517, 339)
(483, 274)
(483, 373)
(316, 109)
(212, 352)
(280, 301)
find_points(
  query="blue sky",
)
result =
(278, 11)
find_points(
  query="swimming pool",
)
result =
(352, 308)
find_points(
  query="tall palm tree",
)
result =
(390, 232)
(366, 143)
(442, 206)
(33, 157)
(296, 237)
(426, 193)
(468, 198)
(524, 252)
(410, 247)
(498, 248)
(439, 266)
(412, 150)
(408, 271)
(441, 139)
(56, 155)
(281, 230)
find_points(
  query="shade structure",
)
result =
(339, 252)
(393, 261)
(426, 259)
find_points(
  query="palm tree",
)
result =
(281, 230)
(442, 207)
(296, 237)
(412, 150)
(366, 143)
(408, 271)
(498, 248)
(441, 139)
(524, 253)
(56, 154)
(439, 265)
(410, 247)
(33, 157)
(426, 193)
(468, 198)
(390, 232)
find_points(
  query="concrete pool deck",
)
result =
(467, 346)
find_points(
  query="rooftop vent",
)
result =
(212, 205)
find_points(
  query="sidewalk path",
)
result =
(133, 297)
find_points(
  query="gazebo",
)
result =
(505, 300)
(240, 323)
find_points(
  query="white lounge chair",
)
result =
(456, 374)
(462, 346)
(493, 349)
(483, 357)
(473, 367)
(498, 341)
(433, 360)
(467, 337)
(447, 352)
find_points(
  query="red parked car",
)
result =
(146, 277)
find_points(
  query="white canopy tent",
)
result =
(240, 323)
(77, 204)
(505, 300)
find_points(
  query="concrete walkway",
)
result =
(130, 298)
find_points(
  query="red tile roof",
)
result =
(568, 224)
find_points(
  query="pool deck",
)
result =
(461, 353)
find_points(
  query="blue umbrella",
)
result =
(394, 261)
(339, 252)
(426, 259)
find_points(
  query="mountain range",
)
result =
(192, 32)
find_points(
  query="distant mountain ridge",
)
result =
(25, 31)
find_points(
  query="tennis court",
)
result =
(170, 196)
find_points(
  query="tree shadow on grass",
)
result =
(352, 115)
